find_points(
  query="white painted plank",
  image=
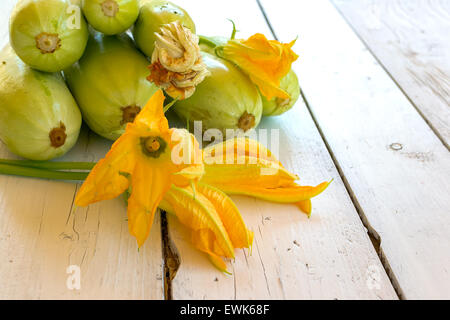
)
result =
(403, 193)
(6, 7)
(410, 38)
(40, 236)
(327, 257)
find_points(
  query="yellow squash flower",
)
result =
(214, 222)
(245, 167)
(141, 161)
(265, 61)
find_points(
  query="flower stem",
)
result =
(41, 173)
(49, 165)
(169, 105)
(233, 33)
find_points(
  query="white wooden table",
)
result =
(374, 116)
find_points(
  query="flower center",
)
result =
(153, 146)
(58, 136)
(110, 8)
(48, 42)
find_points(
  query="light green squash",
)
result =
(152, 15)
(48, 35)
(109, 83)
(226, 99)
(110, 16)
(39, 118)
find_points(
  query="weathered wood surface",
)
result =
(364, 118)
(397, 169)
(41, 235)
(327, 257)
(410, 38)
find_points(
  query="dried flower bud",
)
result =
(177, 64)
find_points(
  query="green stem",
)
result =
(50, 165)
(169, 105)
(233, 33)
(207, 41)
(41, 173)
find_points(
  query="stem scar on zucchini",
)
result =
(58, 136)
(129, 113)
(246, 121)
(48, 42)
(110, 8)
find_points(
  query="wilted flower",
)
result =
(177, 64)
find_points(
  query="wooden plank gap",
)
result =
(373, 234)
(327, 257)
(369, 49)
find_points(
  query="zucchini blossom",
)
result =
(266, 62)
(177, 65)
(142, 161)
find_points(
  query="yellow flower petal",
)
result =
(142, 158)
(305, 206)
(248, 171)
(148, 188)
(205, 240)
(237, 147)
(218, 263)
(152, 115)
(247, 160)
(265, 61)
(187, 153)
(231, 218)
(288, 194)
(200, 215)
(183, 177)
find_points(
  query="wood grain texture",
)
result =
(411, 40)
(396, 167)
(327, 257)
